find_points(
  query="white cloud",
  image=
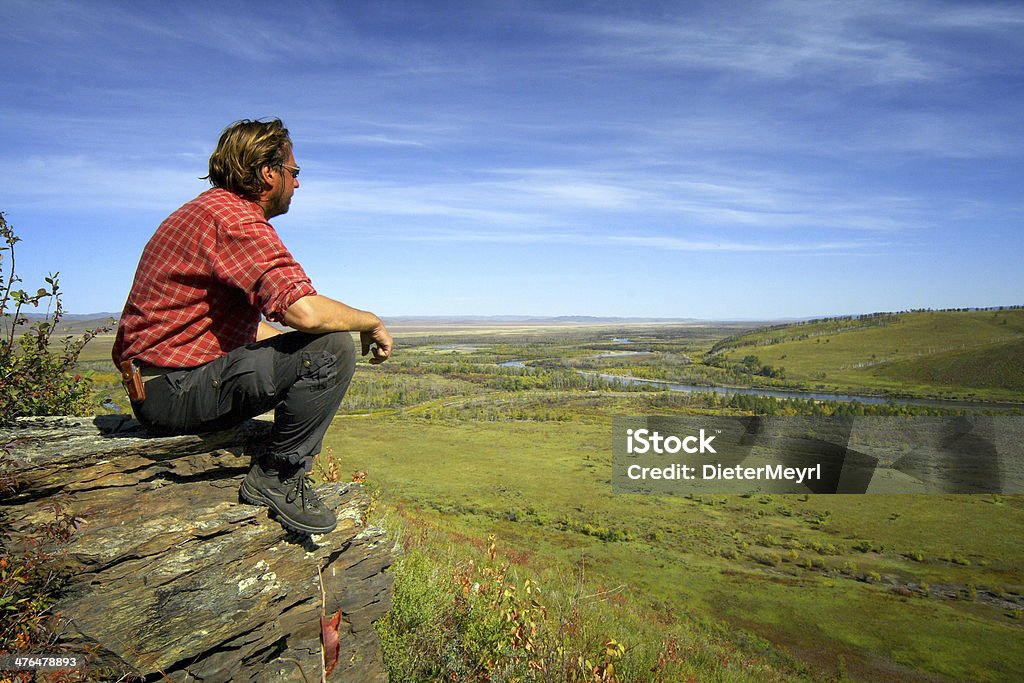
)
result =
(81, 183)
(680, 244)
(780, 40)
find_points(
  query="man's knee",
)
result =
(338, 343)
(336, 348)
(344, 349)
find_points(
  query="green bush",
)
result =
(36, 379)
(480, 621)
(32, 574)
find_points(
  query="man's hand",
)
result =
(378, 340)
(317, 314)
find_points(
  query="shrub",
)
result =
(32, 573)
(956, 558)
(769, 559)
(34, 379)
(477, 621)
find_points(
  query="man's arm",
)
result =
(317, 314)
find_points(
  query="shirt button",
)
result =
(215, 383)
(306, 364)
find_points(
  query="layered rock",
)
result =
(173, 577)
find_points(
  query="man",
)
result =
(192, 325)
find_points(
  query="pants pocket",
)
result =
(318, 369)
(246, 384)
(195, 394)
(174, 403)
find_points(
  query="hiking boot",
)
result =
(289, 494)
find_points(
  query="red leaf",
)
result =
(331, 640)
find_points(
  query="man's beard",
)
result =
(279, 204)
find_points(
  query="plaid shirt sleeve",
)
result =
(251, 257)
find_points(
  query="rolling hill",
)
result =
(975, 354)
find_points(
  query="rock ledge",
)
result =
(174, 578)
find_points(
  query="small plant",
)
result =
(820, 519)
(32, 573)
(327, 467)
(866, 547)
(478, 621)
(34, 379)
(957, 558)
(769, 559)
(842, 674)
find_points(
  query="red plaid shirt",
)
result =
(203, 280)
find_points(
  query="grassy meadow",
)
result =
(948, 354)
(489, 448)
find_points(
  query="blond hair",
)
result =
(244, 149)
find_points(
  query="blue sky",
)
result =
(678, 159)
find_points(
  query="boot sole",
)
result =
(253, 496)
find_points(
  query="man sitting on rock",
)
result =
(191, 344)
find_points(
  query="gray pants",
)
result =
(302, 377)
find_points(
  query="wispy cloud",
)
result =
(777, 40)
(988, 17)
(649, 242)
(87, 184)
(678, 244)
(375, 140)
(762, 200)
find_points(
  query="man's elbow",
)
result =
(302, 316)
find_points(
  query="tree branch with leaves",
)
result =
(35, 378)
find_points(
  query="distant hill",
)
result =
(77, 323)
(966, 353)
(1000, 366)
(519, 319)
(74, 317)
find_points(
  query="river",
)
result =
(777, 393)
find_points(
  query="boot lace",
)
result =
(303, 491)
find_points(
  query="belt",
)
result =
(151, 371)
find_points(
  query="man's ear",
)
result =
(267, 176)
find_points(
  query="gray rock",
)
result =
(173, 577)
